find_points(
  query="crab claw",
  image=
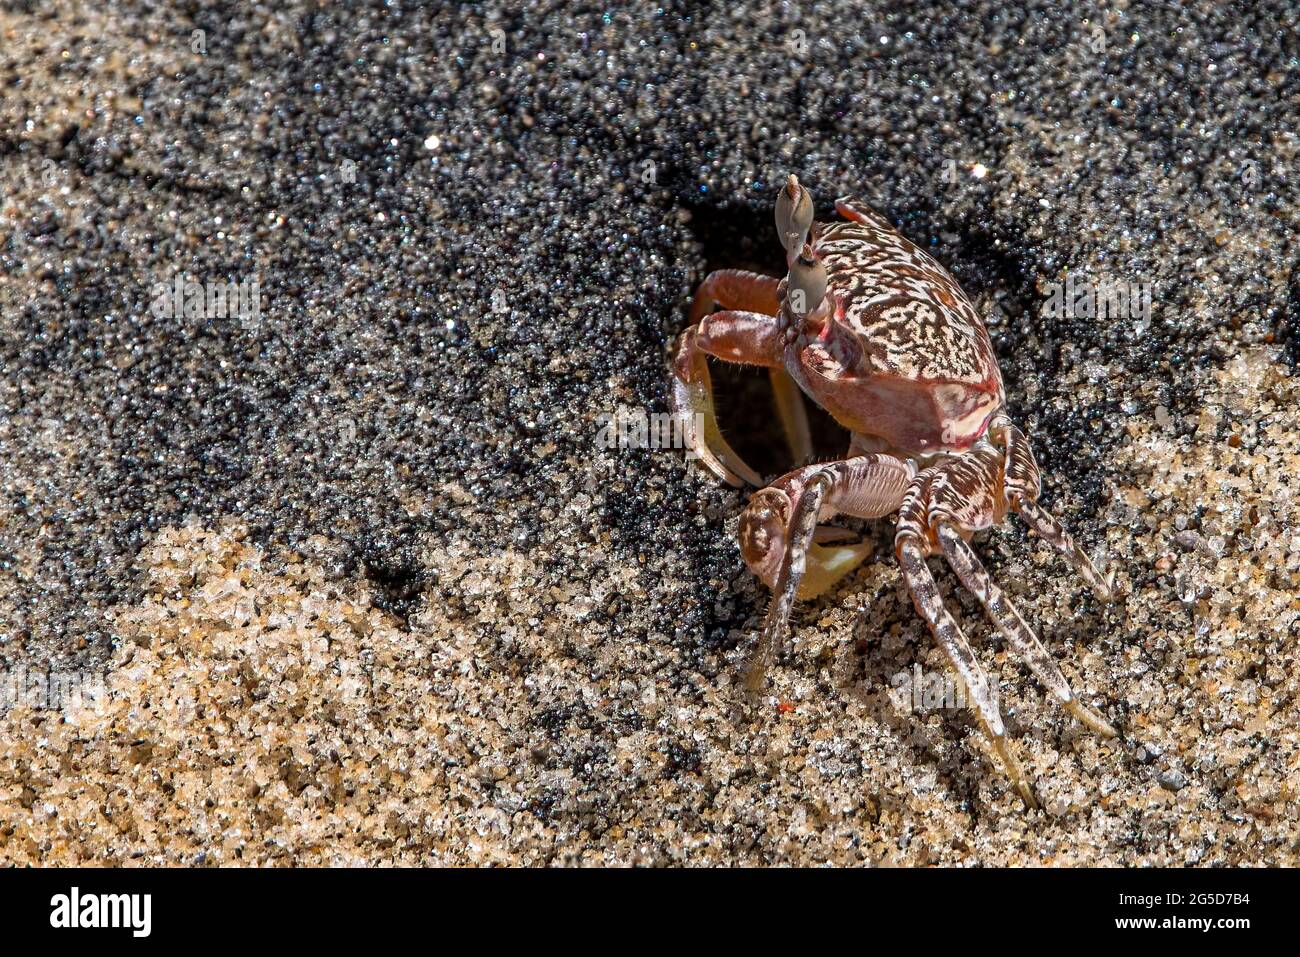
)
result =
(692, 398)
(807, 283)
(794, 216)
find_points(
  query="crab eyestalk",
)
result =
(806, 285)
(794, 216)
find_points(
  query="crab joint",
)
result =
(806, 287)
(794, 216)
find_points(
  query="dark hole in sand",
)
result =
(398, 580)
(743, 236)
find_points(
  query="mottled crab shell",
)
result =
(907, 357)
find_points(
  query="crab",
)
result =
(877, 333)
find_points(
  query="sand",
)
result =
(357, 583)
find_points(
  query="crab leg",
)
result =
(1021, 484)
(793, 414)
(782, 543)
(1019, 635)
(803, 523)
(1052, 532)
(929, 605)
(736, 289)
(1020, 476)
